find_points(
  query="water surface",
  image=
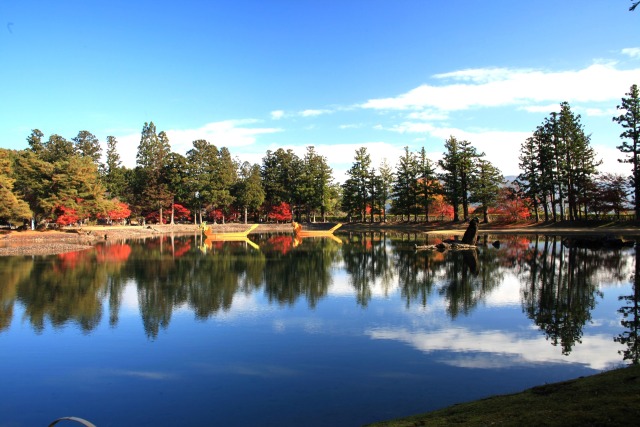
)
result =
(170, 331)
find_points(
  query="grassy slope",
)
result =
(608, 399)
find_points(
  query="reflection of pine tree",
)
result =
(561, 291)
(470, 277)
(306, 270)
(631, 319)
(367, 261)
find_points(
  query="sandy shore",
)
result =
(51, 242)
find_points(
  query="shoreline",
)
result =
(53, 242)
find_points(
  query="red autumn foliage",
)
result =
(512, 206)
(440, 208)
(282, 244)
(181, 248)
(281, 212)
(217, 215)
(113, 253)
(120, 212)
(65, 215)
(70, 260)
(179, 213)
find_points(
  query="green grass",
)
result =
(608, 399)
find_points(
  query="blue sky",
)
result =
(258, 75)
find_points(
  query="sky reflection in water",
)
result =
(166, 332)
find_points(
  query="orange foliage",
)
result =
(441, 208)
(113, 253)
(281, 212)
(65, 215)
(120, 212)
(282, 244)
(70, 260)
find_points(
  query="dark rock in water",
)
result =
(471, 235)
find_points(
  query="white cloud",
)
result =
(595, 351)
(498, 87)
(277, 114)
(314, 113)
(546, 109)
(632, 52)
(431, 115)
(599, 112)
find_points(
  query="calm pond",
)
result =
(278, 332)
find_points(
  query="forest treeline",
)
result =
(65, 181)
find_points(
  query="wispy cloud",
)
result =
(277, 114)
(514, 350)
(313, 113)
(499, 87)
(632, 52)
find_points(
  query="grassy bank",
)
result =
(608, 399)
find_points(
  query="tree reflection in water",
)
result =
(631, 317)
(559, 285)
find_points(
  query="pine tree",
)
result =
(12, 207)
(450, 164)
(529, 179)
(486, 182)
(57, 148)
(86, 144)
(427, 185)
(281, 176)
(386, 184)
(405, 188)
(153, 152)
(35, 141)
(314, 183)
(629, 119)
(113, 171)
(358, 187)
(248, 191)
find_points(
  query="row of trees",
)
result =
(415, 188)
(559, 167)
(65, 180)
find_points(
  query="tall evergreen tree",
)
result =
(248, 191)
(153, 152)
(386, 184)
(485, 186)
(315, 182)
(177, 178)
(12, 207)
(427, 185)
(405, 187)
(201, 169)
(35, 141)
(281, 173)
(529, 179)
(451, 177)
(33, 181)
(358, 187)
(226, 174)
(629, 119)
(86, 144)
(467, 158)
(57, 148)
(113, 171)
